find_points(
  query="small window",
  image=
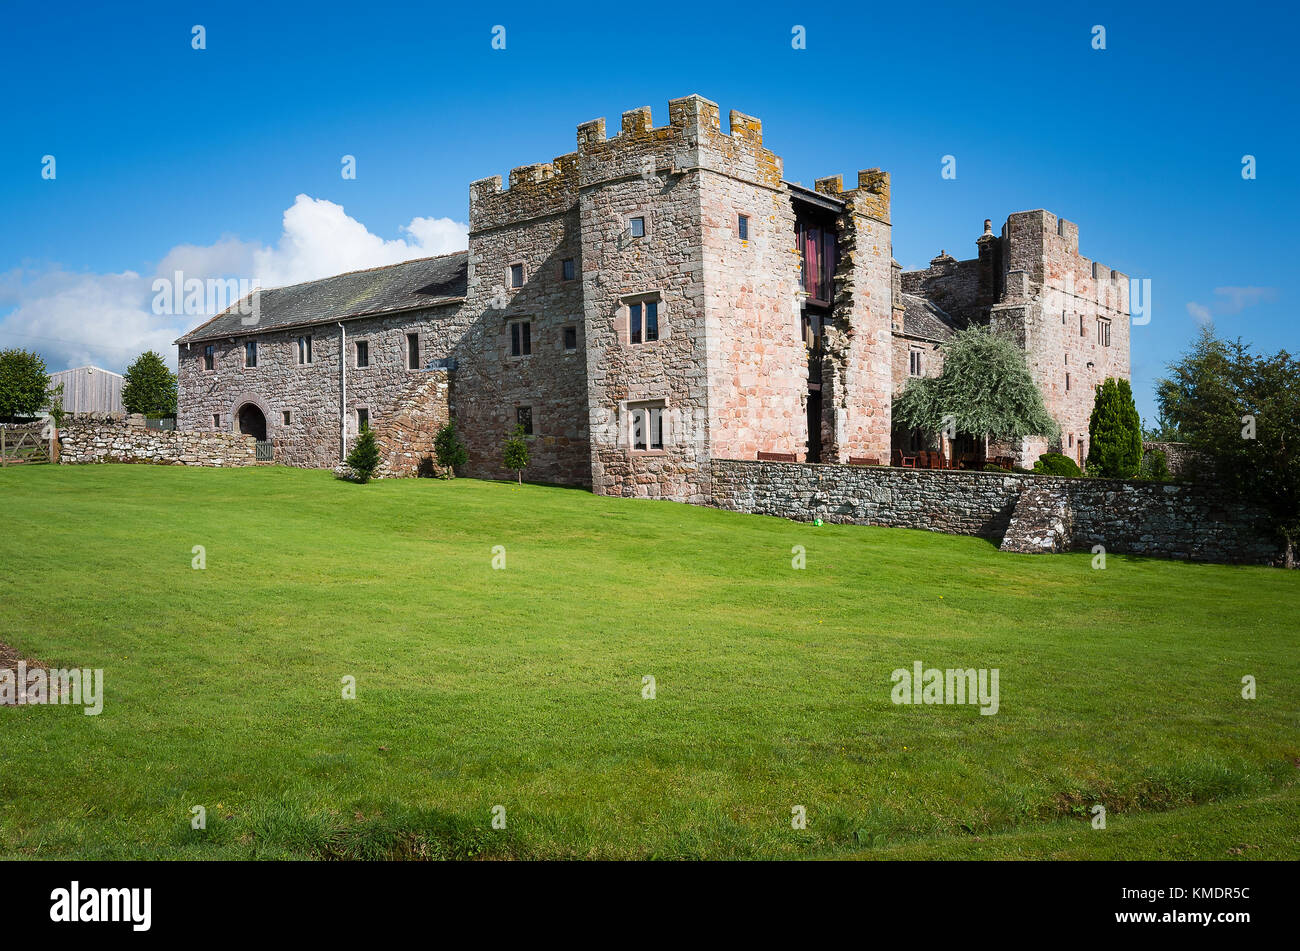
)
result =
(637, 227)
(914, 365)
(570, 339)
(1067, 384)
(1071, 440)
(647, 428)
(250, 353)
(742, 227)
(363, 353)
(521, 338)
(413, 351)
(363, 419)
(1103, 332)
(304, 350)
(209, 357)
(643, 321)
(568, 269)
(1067, 359)
(1083, 326)
(216, 420)
(524, 417)
(516, 275)
(285, 416)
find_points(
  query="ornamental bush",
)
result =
(449, 450)
(1055, 464)
(363, 460)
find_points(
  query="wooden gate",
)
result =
(21, 446)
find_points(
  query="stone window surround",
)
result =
(291, 412)
(523, 274)
(576, 338)
(204, 368)
(521, 319)
(626, 409)
(644, 215)
(354, 417)
(532, 419)
(575, 269)
(624, 320)
(304, 350)
(355, 364)
(406, 350)
(915, 366)
(743, 219)
(257, 355)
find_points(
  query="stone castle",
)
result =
(648, 303)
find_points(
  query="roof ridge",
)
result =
(365, 270)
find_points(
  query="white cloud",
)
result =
(1199, 313)
(1237, 299)
(108, 319)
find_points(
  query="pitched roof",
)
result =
(381, 290)
(924, 318)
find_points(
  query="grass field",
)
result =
(522, 687)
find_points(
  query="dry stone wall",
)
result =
(113, 439)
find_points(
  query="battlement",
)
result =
(545, 188)
(1044, 230)
(870, 197)
(692, 139)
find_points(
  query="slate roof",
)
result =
(923, 318)
(382, 290)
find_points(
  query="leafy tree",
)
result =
(449, 450)
(1162, 431)
(363, 460)
(24, 383)
(985, 388)
(1244, 411)
(515, 452)
(1114, 432)
(149, 387)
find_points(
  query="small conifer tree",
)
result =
(363, 460)
(1114, 432)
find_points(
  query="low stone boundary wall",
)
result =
(958, 503)
(1023, 513)
(114, 439)
(1186, 521)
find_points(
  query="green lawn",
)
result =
(523, 687)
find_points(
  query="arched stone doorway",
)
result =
(252, 421)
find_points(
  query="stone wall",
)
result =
(958, 503)
(1188, 522)
(1028, 514)
(1183, 461)
(88, 439)
(406, 438)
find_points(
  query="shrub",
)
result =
(1055, 464)
(449, 450)
(1114, 432)
(515, 452)
(1156, 467)
(363, 460)
(994, 467)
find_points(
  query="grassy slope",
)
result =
(523, 687)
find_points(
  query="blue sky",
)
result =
(165, 154)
